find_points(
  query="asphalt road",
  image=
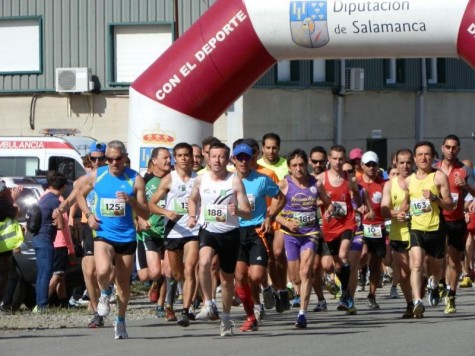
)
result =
(380, 332)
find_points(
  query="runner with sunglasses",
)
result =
(119, 193)
(97, 158)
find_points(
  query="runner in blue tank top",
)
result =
(120, 193)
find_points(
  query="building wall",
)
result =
(304, 118)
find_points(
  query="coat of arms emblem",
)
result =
(308, 23)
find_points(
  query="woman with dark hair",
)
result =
(43, 239)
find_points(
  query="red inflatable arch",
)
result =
(236, 41)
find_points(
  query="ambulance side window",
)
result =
(18, 166)
(63, 165)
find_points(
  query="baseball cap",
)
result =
(356, 153)
(3, 186)
(242, 148)
(97, 147)
(370, 156)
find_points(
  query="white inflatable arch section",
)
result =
(236, 41)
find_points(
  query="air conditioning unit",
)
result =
(73, 80)
(354, 79)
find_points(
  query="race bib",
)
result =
(216, 213)
(180, 206)
(252, 201)
(420, 206)
(372, 231)
(339, 209)
(304, 218)
(112, 208)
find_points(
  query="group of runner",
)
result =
(256, 224)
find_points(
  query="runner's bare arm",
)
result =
(322, 193)
(139, 201)
(445, 200)
(160, 193)
(84, 190)
(193, 203)
(243, 208)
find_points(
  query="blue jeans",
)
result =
(44, 269)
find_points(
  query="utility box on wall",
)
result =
(73, 80)
(354, 79)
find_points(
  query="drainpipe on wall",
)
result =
(340, 105)
(420, 102)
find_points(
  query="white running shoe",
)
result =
(120, 331)
(259, 313)
(227, 328)
(208, 312)
(103, 307)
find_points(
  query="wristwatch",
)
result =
(434, 198)
(88, 214)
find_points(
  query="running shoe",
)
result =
(184, 319)
(466, 282)
(284, 299)
(386, 278)
(321, 306)
(443, 290)
(73, 303)
(97, 321)
(296, 301)
(103, 306)
(393, 293)
(227, 328)
(160, 311)
(450, 307)
(208, 312)
(179, 299)
(409, 313)
(331, 287)
(153, 292)
(259, 313)
(291, 290)
(249, 325)
(351, 307)
(371, 303)
(279, 308)
(170, 314)
(301, 322)
(418, 310)
(343, 304)
(268, 296)
(120, 331)
(433, 296)
(39, 310)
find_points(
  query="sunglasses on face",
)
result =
(243, 157)
(95, 159)
(371, 164)
(450, 148)
(112, 159)
(318, 161)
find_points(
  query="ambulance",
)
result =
(22, 156)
